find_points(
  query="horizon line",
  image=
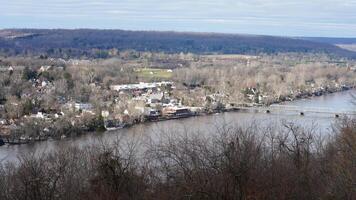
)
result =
(180, 32)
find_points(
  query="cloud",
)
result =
(271, 15)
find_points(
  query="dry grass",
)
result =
(151, 73)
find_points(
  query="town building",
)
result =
(177, 112)
(140, 86)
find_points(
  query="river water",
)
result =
(338, 102)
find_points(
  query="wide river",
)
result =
(338, 102)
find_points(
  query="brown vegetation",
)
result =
(32, 85)
(236, 163)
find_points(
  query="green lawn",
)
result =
(153, 73)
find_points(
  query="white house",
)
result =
(45, 68)
(140, 86)
(83, 106)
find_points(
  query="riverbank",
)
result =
(203, 124)
(19, 141)
(314, 93)
(230, 108)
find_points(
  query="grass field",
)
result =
(149, 73)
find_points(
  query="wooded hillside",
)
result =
(97, 43)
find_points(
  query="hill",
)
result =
(91, 43)
(344, 43)
(329, 40)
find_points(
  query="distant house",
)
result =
(105, 113)
(59, 115)
(171, 103)
(5, 130)
(78, 106)
(45, 68)
(151, 113)
(39, 115)
(83, 106)
(3, 122)
(155, 98)
(44, 84)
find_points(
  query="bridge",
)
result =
(302, 110)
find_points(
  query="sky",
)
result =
(320, 18)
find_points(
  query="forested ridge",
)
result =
(92, 43)
(331, 40)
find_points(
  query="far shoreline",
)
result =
(232, 109)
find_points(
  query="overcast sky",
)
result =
(270, 17)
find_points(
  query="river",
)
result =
(338, 102)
